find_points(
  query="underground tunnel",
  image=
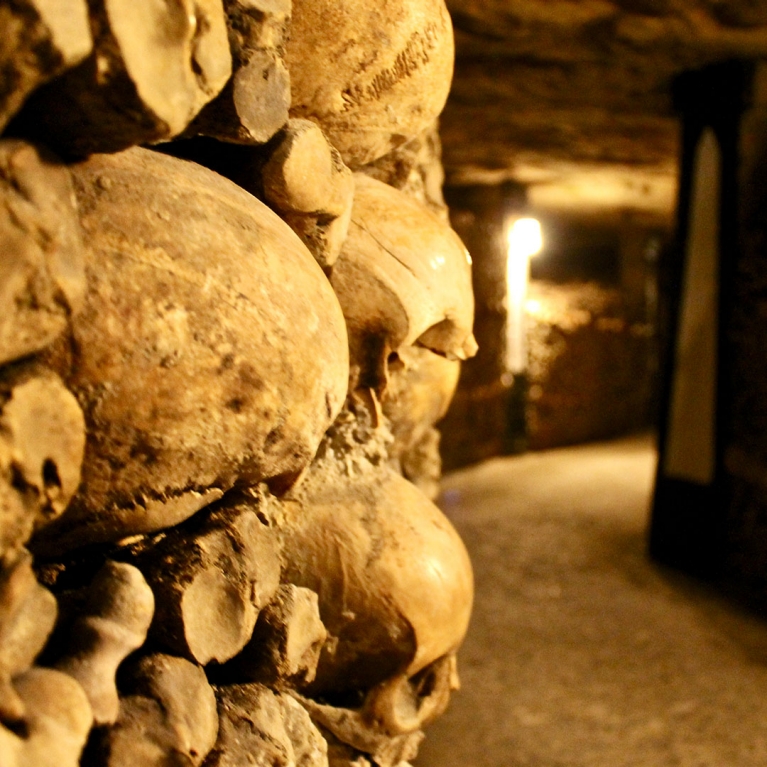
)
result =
(381, 383)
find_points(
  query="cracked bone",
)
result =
(264, 728)
(42, 441)
(27, 616)
(191, 349)
(306, 182)
(57, 721)
(421, 387)
(286, 642)
(388, 725)
(391, 73)
(392, 602)
(153, 67)
(211, 577)
(42, 277)
(253, 104)
(403, 278)
(41, 40)
(114, 623)
(167, 715)
(351, 734)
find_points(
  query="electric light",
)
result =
(525, 238)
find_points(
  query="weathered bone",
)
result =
(306, 181)
(391, 72)
(153, 67)
(253, 105)
(421, 386)
(395, 603)
(351, 728)
(403, 278)
(27, 616)
(211, 578)
(42, 440)
(40, 40)
(402, 705)
(42, 278)
(56, 725)
(191, 353)
(415, 168)
(114, 623)
(286, 642)
(264, 728)
(169, 717)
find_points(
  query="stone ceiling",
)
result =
(573, 96)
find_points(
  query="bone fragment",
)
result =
(27, 616)
(388, 726)
(168, 718)
(415, 168)
(254, 103)
(358, 738)
(403, 278)
(191, 350)
(56, 725)
(306, 182)
(421, 386)
(41, 39)
(286, 642)
(390, 74)
(42, 440)
(42, 277)
(115, 621)
(263, 728)
(153, 67)
(211, 578)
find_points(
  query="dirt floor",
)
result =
(582, 653)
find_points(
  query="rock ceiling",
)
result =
(572, 97)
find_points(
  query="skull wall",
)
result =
(222, 357)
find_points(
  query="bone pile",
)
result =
(231, 314)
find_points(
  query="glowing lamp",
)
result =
(525, 240)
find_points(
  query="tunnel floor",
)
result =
(581, 652)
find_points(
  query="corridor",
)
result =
(581, 652)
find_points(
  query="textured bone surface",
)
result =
(415, 168)
(42, 441)
(263, 728)
(114, 623)
(286, 643)
(191, 353)
(153, 67)
(56, 724)
(421, 386)
(306, 181)
(403, 277)
(27, 616)
(393, 602)
(352, 738)
(167, 717)
(391, 72)
(211, 577)
(42, 278)
(41, 39)
(253, 105)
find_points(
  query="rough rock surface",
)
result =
(543, 87)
